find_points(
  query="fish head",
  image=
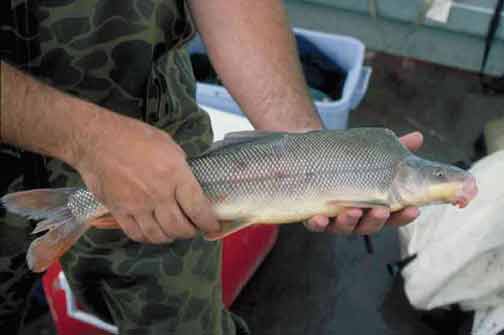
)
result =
(421, 182)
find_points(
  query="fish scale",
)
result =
(83, 204)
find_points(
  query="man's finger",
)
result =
(345, 222)
(404, 216)
(372, 221)
(413, 141)
(317, 223)
(130, 227)
(196, 206)
(173, 222)
(151, 229)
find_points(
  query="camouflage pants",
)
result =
(146, 289)
(16, 280)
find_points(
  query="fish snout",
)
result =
(468, 192)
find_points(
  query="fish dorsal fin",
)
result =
(257, 134)
(252, 134)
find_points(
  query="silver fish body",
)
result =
(282, 177)
(273, 178)
(286, 177)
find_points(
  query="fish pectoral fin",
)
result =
(228, 228)
(358, 204)
(49, 247)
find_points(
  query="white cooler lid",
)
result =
(225, 122)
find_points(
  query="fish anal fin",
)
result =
(228, 228)
(52, 245)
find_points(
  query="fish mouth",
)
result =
(467, 193)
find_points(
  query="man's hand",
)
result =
(137, 171)
(142, 177)
(355, 220)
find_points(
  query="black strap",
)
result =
(395, 269)
(495, 85)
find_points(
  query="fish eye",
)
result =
(438, 173)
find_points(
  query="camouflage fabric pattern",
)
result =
(16, 280)
(128, 56)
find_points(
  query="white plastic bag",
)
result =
(460, 252)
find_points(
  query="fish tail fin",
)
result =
(63, 229)
(228, 228)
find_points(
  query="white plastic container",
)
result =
(224, 122)
(347, 52)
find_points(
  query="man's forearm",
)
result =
(253, 50)
(40, 118)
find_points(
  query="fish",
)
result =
(262, 177)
